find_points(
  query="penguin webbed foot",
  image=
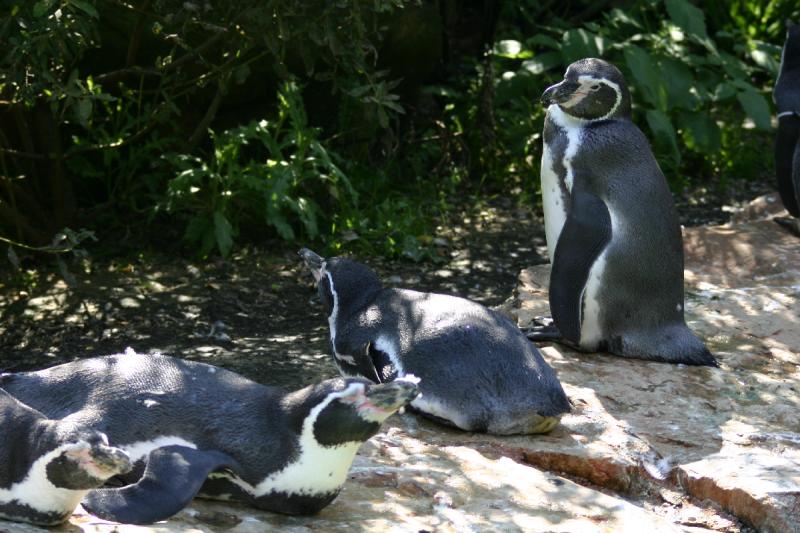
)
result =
(791, 224)
(544, 329)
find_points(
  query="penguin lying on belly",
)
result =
(477, 371)
(48, 466)
(612, 233)
(193, 428)
(787, 142)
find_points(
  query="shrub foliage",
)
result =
(351, 123)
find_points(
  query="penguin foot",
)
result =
(789, 223)
(543, 321)
(543, 333)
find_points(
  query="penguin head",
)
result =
(351, 410)
(592, 89)
(83, 459)
(341, 283)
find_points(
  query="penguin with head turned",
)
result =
(48, 466)
(612, 232)
(477, 371)
(786, 95)
(196, 429)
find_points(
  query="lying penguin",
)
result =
(478, 371)
(612, 232)
(48, 466)
(195, 429)
(787, 143)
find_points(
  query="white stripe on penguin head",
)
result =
(591, 80)
(332, 319)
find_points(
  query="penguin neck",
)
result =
(563, 119)
(315, 469)
(38, 493)
(350, 302)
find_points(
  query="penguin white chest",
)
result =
(557, 186)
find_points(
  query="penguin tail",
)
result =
(540, 414)
(674, 343)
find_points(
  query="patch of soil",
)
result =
(256, 312)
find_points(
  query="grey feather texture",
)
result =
(477, 371)
(612, 231)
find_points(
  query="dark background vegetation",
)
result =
(198, 127)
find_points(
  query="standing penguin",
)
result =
(787, 143)
(192, 428)
(612, 233)
(478, 372)
(48, 466)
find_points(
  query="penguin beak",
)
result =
(386, 398)
(559, 93)
(111, 460)
(313, 262)
(99, 460)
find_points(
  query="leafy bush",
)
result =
(264, 173)
(94, 94)
(692, 90)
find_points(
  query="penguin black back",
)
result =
(195, 428)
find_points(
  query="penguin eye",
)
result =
(595, 87)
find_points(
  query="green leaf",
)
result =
(86, 7)
(41, 7)
(620, 17)
(648, 77)
(724, 91)
(756, 107)
(511, 49)
(84, 111)
(223, 232)
(678, 80)
(733, 66)
(241, 73)
(687, 17)
(544, 40)
(764, 54)
(663, 131)
(578, 44)
(197, 229)
(284, 229)
(701, 132)
(542, 62)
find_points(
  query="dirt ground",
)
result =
(256, 312)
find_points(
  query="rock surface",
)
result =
(648, 446)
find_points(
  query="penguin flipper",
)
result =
(172, 477)
(586, 233)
